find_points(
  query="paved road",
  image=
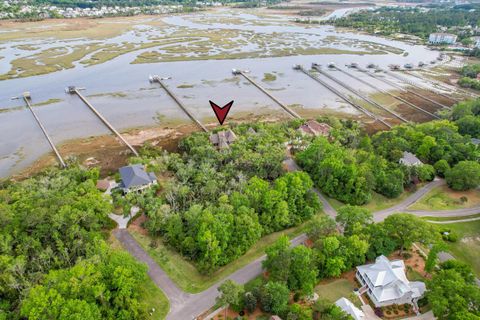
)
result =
(187, 306)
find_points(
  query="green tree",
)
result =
(274, 297)
(250, 301)
(303, 271)
(425, 172)
(441, 167)
(406, 229)
(231, 294)
(453, 296)
(464, 176)
(353, 219)
(278, 260)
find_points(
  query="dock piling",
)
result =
(27, 98)
(341, 95)
(74, 90)
(282, 105)
(159, 80)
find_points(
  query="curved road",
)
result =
(188, 306)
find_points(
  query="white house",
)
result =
(348, 307)
(442, 38)
(385, 283)
(410, 160)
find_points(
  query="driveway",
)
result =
(186, 305)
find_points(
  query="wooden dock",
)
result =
(356, 92)
(282, 105)
(74, 90)
(408, 103)
(159, 80)
(26, 98)
(342, 96)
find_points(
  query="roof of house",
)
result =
(103, 185)
(223, 139)
(348, 307)
(315, 128)
(135, 176)
(442, 34)
(475, 141)
(410, 159)
(389, 279)
(251, 131)
(275, 318)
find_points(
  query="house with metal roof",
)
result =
(223, 139)
(135, 178)
(410, 160)
(348, 307)
(385, 283)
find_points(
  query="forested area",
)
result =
(469, 76)
(54, 260)
(218, 203)
(351, 169)
(417, 21)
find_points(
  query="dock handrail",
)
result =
(74, 90)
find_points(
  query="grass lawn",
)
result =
(467, 248)
(336, 289)
(185, 274)
(444, 198)
(451, 218)
(153, 298)
(378, 202)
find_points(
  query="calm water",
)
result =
(22, 142)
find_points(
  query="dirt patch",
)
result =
(137, 225)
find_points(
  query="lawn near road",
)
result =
(444, 198)
(378, 202)
(151, 297)
(185, 274)
(334, 290)
(467, 248)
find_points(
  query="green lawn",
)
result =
(444, 198)
(153, 298)
(467, 248)
(378, 202)
(336, 289)
(451, 218)
(185, 274)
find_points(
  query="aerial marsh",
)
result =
(56, 45)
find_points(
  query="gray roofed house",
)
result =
(410, 160)
(386, 283)
(475, 141)
(348, 307)
(223, 139)
(135, 178)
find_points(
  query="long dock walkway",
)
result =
(342, 96)
(177, 101)
(282, 105)
(74, 90)
(26, 98)
(356, 92)
(408, 103)
(393, 84)
(404, 80)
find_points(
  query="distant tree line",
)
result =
(417, 21)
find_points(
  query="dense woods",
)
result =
(50, 234)
(220, 202)
(417, 21)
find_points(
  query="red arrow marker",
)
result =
(222, 112)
